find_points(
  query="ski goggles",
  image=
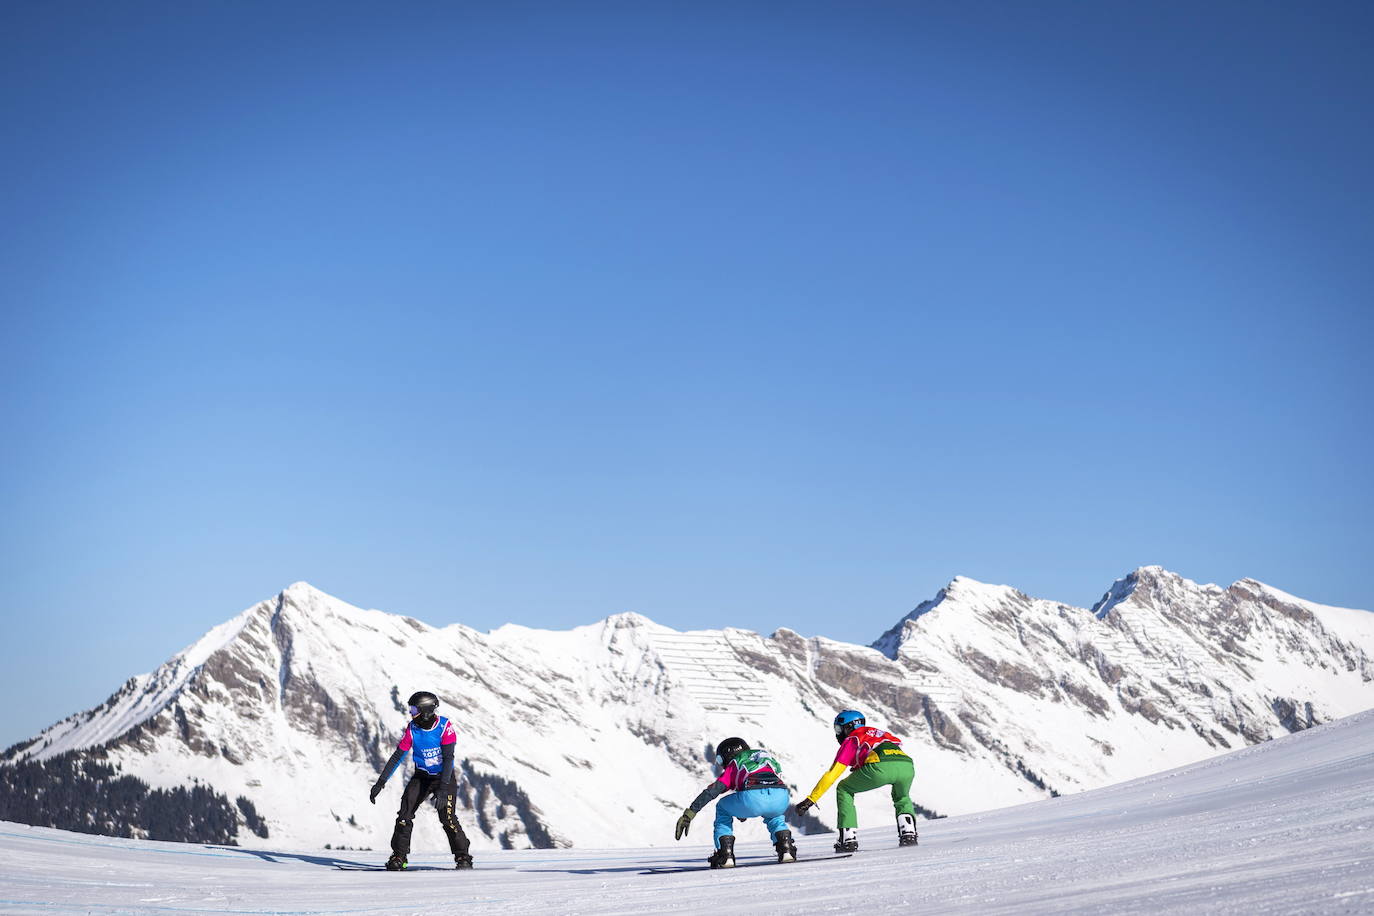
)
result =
(417, 710)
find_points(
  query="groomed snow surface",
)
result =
(1282, 827)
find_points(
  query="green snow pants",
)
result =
(897, 772)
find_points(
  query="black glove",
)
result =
(376, 789)
(805, 805)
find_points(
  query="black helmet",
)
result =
(729, 749)
(423, 705)
(846, 722)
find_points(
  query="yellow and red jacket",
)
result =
(864, 745)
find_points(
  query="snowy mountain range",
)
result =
(1270, 830)
(597, 736)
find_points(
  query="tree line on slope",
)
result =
(73, 792)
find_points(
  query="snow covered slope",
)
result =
(597, 736)
(1283, 827)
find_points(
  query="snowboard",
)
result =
(423, 868)
(384, 868)
(772, 861)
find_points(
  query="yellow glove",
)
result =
(683, 823)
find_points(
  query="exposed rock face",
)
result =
(597, 736)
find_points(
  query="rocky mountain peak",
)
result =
(1148, 580)
(1121, 590)
(302, 588)
(952, 605)
(968, 592)
(308, 600)
(628, 620)
(1157, 587)
(967, 583)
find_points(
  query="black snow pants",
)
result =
(416, 791)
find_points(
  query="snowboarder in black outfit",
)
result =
(431, 739)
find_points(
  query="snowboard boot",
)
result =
(849, 840)
(724, 856)
(906, 830)
(462, 861)
(786, 849)
(396, 863)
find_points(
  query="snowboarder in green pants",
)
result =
(877, 759)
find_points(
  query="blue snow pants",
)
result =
(769, 804)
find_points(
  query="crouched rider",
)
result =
(755, 779)
(876, 759)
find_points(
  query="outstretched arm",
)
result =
(391, 764)
(835, 772)
(387, 769)
(845, 758)
(707, 795)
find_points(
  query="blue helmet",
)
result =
(846, 722)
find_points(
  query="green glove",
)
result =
(683, 823)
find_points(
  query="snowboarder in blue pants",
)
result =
(755, 779)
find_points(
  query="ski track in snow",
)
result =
(1282, 827)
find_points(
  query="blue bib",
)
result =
(425, 746)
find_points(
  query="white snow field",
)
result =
(1286, 826)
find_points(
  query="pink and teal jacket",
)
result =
(755, 769)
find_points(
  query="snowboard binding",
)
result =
(906, 830)
(724, 856)
(785, 848)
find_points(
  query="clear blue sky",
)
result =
(729, 314)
